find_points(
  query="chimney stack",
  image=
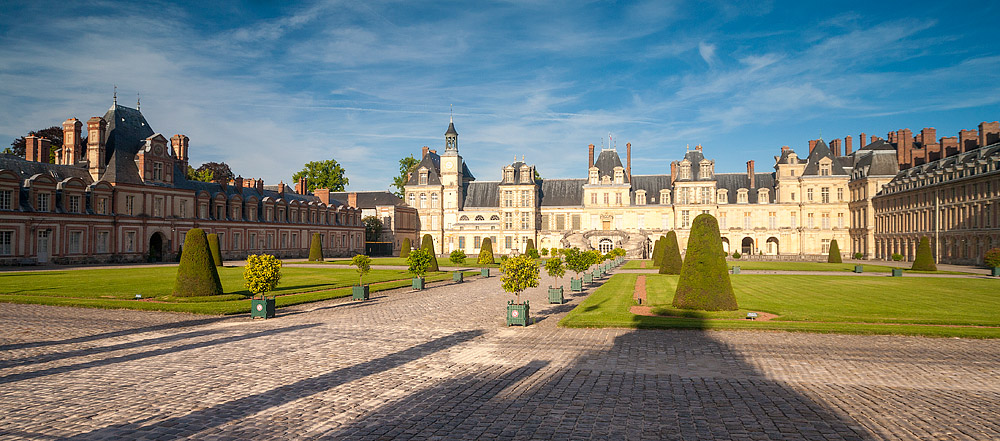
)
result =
(784, 149)
(238, 183)
(352, 199)
(949, 146)
(323, 194)
(259, 184)
(31, 148)
(862, 140)
(96, 146)
(590, 163)
(904, 147)
(72, 129)
(967, 140)
(628, 166)
(927, 136)
(812, 145)
(835, 146)
(750, 174)
(423, 152)
(43, 149)
(673, 172)
(848, 147)
(180, 145)
(989, 133)
(302, 187)
(281, 188)
(874, 138)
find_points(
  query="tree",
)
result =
(670, 257)
(405, 247)
(316, 249)
(406, 166)
(195, 175)
(418, 262)
(486, 252)
(373, 228)
(924, 260)
(428, 245)
(834, 256)
(992, 258)
(457, 257)
(262, 273)
(213, 246)
(323, 174)
(196, 274)
(363, 264)
(54, 134)
(555, 268)
(704, 281)
(576, 261)
(220, 171)
(519, 274)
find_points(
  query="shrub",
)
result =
(486, 252)
(554, 268)
(834, 256)
(457, 257)
(704, 281)
(658, 251)
(736, 254)
(924, 260)
(617, 252)
(858, 256)
(316, 249)
(196, 274)
(405, 247)
(670, 257)
(545, 251)
(213, 245)
(530, 245)
(576, 261)
(897, 257)
(532, 253)
(418, 261)
(519, 274)
(363, 264)
(262, 273)
(992, 258)
(428, 245)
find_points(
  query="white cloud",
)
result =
(707, 52)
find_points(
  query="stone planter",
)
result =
(556, 295)
(485, 272)
(575, 285)
(588, 278)
(736, 270)
(262, 307)
(517, 314)
(458, 277)
(859, 269)
(896, 272)
(995, 272)
(359, 292)
(418, 283)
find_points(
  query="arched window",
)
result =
(463, 218)
(480, 217)
(494, 217)
(605, 246)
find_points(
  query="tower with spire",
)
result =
(453, 175)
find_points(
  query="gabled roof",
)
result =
(431, 162)
(820, 151)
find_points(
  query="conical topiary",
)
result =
(486, 252)
(658, 251)
(670, 257)
(704, 281)
(316, 249)
(428, 244)
(213, 246)
(404, 248)
(924, 261)
(834, 253)
(530, 245)
(196, 274)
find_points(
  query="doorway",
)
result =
(156, 247)
(747, 246)
(44, 245)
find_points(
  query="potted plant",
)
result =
(519, 273)
(555, 268)
(364, 266)
(262, 273)
(578, 263)
(992, 260)
(418, 260)
(458, 258)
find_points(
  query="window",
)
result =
(158, 206)
(434, 200)
(705, 172)
(508, 220)
(747, 220)
(253, 241)
(576, 221)
(826, 246)
(607, 199)
(811, 222)
(509, 242)
(793, 196)
(461, 242)
(6, 243)
(706, 195)
(508, 198)
(824, 194)
(526, 221)
(641, 221)
(413, 200)
(43, 202)
(526, 199)
(423, 200)
(840, 195)
(685, 219)
(6, 199)
(476, 242)
(665, 220)
(182, 209)
(824, 170)
(219, 212)
(685, 171)
(840, 220)
(236, 240)
(593, 198)
(157, 171)
(618, 198)
(809, 194)
(284, 240)
(295, 240)
(741, 197)
(795, 221)
(130, 241)
(423, 178)
(75, 240)
(74, 204)
(772, 220)
(560, 222)
(826, 221)
(130, 205)
(102, 242)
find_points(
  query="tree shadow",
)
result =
(113, 334)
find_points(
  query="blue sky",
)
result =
(267, 86)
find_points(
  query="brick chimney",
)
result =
(949, 146)
(862, 140)
(927, 136)
(72, 150)
(835, 146)
(260, 185)
(423, 152)
(989, 133)
(673, 172)
(628, 163)
(590, 162)
(967, 140)
(812, 145)
(785, 149)
(904, 147)
(874, 138)
(751, 175)
(323, 194)
(302, 187)
(281, 188)
(238, 184)
(352, 199)
(180, 145)
(31, 148)
(848, 145)
(893, 138)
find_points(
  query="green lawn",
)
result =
(116, 288)
(876, 305)
(400, 261)
(799, 266)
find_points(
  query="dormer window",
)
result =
(705, 172)
(722, 196)
(593, 176)
(526, 175)
(685, 171)
(762, 196)
(619, 176)
(741, 197)
(640, 197)
(824, 169)
(423, 177)
(508, 175)
(664, 197)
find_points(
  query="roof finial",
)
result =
(451, 117)
(820, 134)
(116, 95)
(137, 101)
(687, 147)
(522, 157)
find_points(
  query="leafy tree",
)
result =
(529, 245)
(554, 268)
(323, 174)
(406, 166)
(670, 257)
(213, 246)
(316, 249)
(576, 261)
(220, 171)
(262, 273)
(195, 175)
(538, 176)
(373, 228)
(992, 258)
(457, 257)
(363, 264)
(54, 134)
(196, 274)
(486, 252)
(924, 260)
(519, 274)
(418, 262)
(858, 256)
(405, 247)
(428, 245)
(545, 251)
(704, 281)
(834, 256)
(533, 253)
(617, 252)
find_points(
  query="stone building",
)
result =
(399, 220)
(123, 196)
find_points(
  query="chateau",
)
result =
(795, 210)
(123, 196)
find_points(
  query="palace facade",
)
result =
(123, 196)
(795, 210)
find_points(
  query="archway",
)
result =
(725, 245)
(747, 246)
(156, 247)
(647, 249)
(605, 246)
(772, 246)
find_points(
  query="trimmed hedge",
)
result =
(404, 248)
(657, 251)
(196, 274)
(428, 245)
(530, 245)
(704, 281)
(834, 256)
(486, 252)
(213, 246)
(316, 249)
(670, 256)
(924, 260)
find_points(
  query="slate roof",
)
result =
(606, 163)
(451, 129)
(432, 162)
(784, 158)
(27, 169)
(652, 184)
(562, 192)
(481, 194)
(735, 181)
(875, 163)
(968, 158)
(371, 199)
(694, 157)
(820, 151)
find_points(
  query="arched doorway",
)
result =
(747, 246)
(647, 249)
(156, 247)
(772, 246)
(725, 245)
(605, 246)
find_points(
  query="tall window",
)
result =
(476, 241)
(130, 205)
(525, 220)
(795, 220)
(618, 198)
(102, 241)
(182, 210)
(6, 243)
(840, 220)
(157, 171)
(158, 206)
(824, 194)
(423, 178)
(43, 202)
(607, 200)
(706, 195)
(508, 220)
(641, 221)
(130, 241)
(747, 220)
(685, 172)
(509, 242)
(236, 240)
(423, 200)
(461, 242)
(593, 198)
(6, 199)
(826, 221)
(75, 241)
(526, 199)
(723, 222)
(809, 194)
(575, 221)
(434, 200)
(74, 204)
(772, 220)
(560, 222)
(665, 220)
(508, 198)
(826, 246)
(413, 200)
(685, 218)
(840, 195)
(811, 222)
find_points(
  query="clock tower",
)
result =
(452, 178)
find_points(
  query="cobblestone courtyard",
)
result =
(440, 364)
